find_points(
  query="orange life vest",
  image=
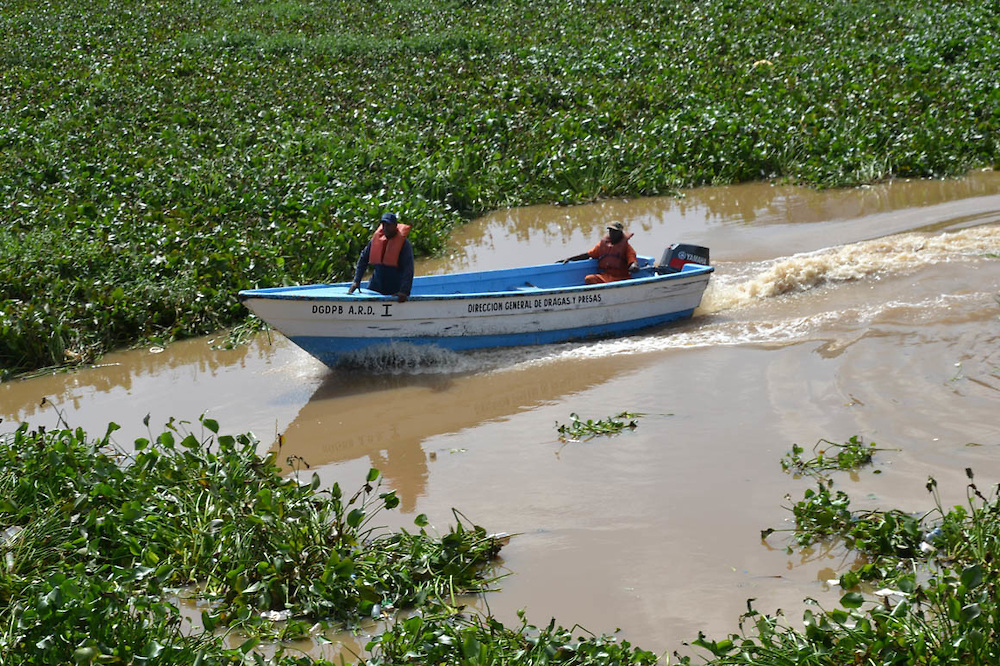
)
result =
(385, 251)
(613, 258)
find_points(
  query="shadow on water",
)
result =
(365, 412)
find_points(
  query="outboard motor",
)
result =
(678, 254)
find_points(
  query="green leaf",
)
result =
(972, 576)
(85, 655)
(248, 645)
(970, 612)
(131, 511)
(152, 650)
(852, 600)
(355, 517)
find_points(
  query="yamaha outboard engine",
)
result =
(678, 254)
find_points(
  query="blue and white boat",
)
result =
(532, 305)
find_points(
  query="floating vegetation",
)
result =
(153, 163)
(930, 593)
(577, 429)
(240, 334)
(829, 456)
(93, 538)
(454, 639)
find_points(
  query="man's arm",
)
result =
(406, 270)
(360, 268)
(362, 265)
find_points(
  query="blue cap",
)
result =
(389, 217)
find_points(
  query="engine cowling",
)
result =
(677, 255)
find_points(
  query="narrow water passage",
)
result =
(870, 312)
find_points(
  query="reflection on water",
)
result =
(739, 223)
(388, 418)
(121, 373)
(248, 388)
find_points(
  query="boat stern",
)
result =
(678, 255)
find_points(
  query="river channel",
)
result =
(872, 312)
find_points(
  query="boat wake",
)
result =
(731, 312)
(400, 358)
(711, 331)
(898, 254)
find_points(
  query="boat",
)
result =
(532, 305)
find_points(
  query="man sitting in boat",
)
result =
(390, 252)
(615, 257)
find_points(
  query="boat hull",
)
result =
(524, 306)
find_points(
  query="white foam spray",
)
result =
(890, 255)
(734, 288)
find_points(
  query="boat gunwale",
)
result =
(280, 293)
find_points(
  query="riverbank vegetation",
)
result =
(923, 590)
(85, 527)
(156, 157)
(94, 543)
(96, 546)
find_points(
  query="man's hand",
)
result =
(353, 288)
(633, 267)
(402, 297)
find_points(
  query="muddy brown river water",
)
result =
(872, 312)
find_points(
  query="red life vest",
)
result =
(614, 258)
(385, 251)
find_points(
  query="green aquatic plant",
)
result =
(450, 638)
(154, 163)
(95, 540)
(829, 456)
(241, 334)
(578, 429)
(81, 517)
(824, 513)
(924, 592)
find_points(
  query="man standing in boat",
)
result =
(615, 257)
(390, 252)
